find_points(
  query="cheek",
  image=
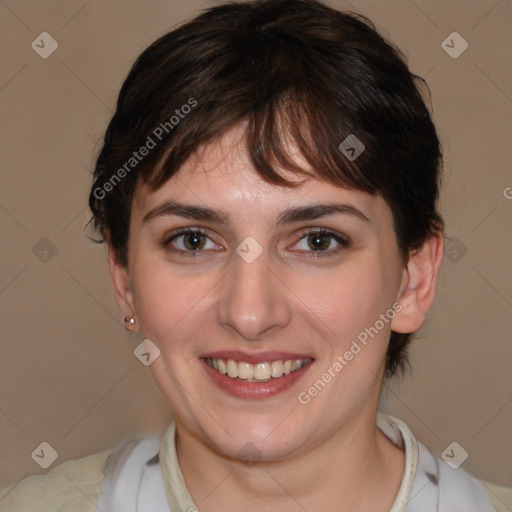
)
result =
(168, 302)
(349, 300)
(351, 307)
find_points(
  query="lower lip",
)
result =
(255, 390)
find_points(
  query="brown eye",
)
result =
(321, 242)
(188, 242)
(193, 241)
(318, 241)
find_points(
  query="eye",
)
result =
(320, 241)
(193, 242)
(188, 240)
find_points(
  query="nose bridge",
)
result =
(254, 299)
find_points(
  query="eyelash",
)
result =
(342, 240)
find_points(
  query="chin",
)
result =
(253, 438)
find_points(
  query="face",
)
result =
(256, 276)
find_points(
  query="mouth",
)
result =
(255, 376)
(260, 372)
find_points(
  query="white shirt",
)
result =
(428, 485)
(144, 476)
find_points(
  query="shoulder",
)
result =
(429, 482)
(458, 490)
(457, 487)
(71, 486)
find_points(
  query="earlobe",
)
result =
(122, 290)
(418, 286)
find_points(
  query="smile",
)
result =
(259, 372)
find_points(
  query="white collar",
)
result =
(393, 428)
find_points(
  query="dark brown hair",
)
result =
(290, 68)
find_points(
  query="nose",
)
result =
(254, 300)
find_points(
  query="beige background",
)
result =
(68, 375)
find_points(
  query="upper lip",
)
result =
(255, 358)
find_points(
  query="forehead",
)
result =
(220, 174)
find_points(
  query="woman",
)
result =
(267, 189)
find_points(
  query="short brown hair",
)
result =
(294, 68)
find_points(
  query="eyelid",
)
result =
(167, 238)
(325, 231)
(343, 240)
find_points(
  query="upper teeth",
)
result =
(259, 372)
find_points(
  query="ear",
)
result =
(122, 288)
(418, 286)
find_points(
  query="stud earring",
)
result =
(129, 320)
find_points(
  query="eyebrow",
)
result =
(289, 216)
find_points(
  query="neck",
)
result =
(357, 468)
